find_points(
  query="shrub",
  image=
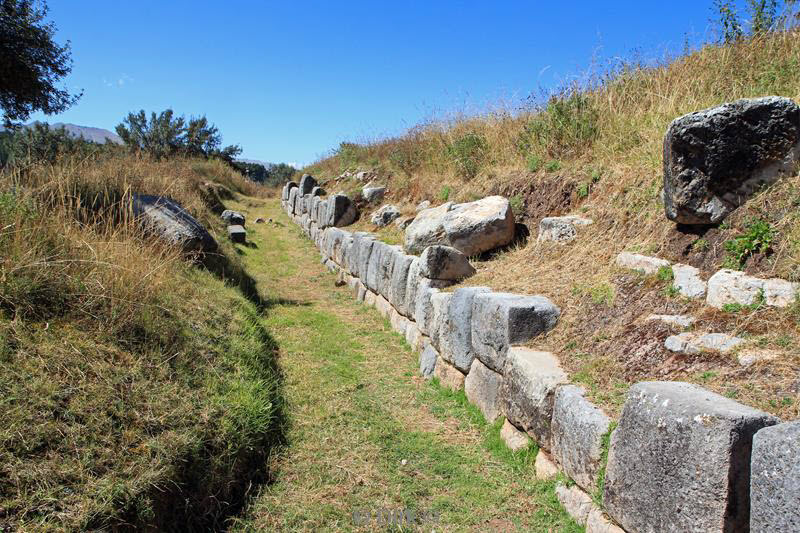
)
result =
(757, 238)
(468, 153)
(566, 126)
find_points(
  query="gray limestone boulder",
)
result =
(373, 277)
(365, 245)
(423, 310)
(445, 263)
(692, 343)
(642, 263)
(286, 190)
(373, 194)
(307, 184)
(455, 334)
(233, 218)
(734, 287)
(427, 361)
(425, 204)
(560, 229)
(472, 228)
(163, 217)
(482, 387)
(515, 439)
(501, 320)
(341, 211)
(680, 460)
(388, 257)
(715, 159)
(775, 479)
(385, 215)
(530, 379)
(578, 430)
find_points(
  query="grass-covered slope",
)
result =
(597, 152)
(136, 388)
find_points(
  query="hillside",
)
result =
(137, 388)
(88, 133)
(597, 152)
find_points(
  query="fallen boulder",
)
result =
(385, 215)
(715, 159)
(560, 229)
(734, 287)
(680, 459)
(165, 218)
(233, 218)
(472, 228)
(444, 263)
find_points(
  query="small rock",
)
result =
(598, 523)
(404, 462)
(688, 281)
(237, 233)
(544, 466)
(425, 204)
(403, 222)
(749, 357)
(261, 221)
(682, 321)
(642, 263)
(445, 263)
(427, 361)
(694, 343)
(373, 194)
(449, 376)
(577, 503)
(560, 229)
(385, 215)
(515, 439)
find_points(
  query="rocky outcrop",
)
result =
(472, 228)
(384, 216)
(716, 158)
(680, 460)
(775, 479)
(165, 218)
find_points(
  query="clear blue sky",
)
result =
(290, 80)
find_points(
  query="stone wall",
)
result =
(680, 456)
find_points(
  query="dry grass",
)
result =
(599, 155)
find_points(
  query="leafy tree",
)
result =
(32, 63)
(41, 143)
(728, 21)
(166, 135)
(281, 173)
(762, 15)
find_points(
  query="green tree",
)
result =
(728, 21)
(762, 15)
(31, 62)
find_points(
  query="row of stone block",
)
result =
(309, 200)
(681, 459)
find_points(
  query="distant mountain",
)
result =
(256, 162)
(96, 135)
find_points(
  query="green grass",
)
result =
(366, 433)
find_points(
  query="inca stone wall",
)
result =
(680, 456)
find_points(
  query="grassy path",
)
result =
(366, 433)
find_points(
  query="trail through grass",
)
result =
(367, 435)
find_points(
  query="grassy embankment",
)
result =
(366, 432)
(136, 388)
(598, 152)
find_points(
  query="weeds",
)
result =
(565, 127)
(756, 239)
(468, 154)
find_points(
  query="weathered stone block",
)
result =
(694, 343)
(414, 337)
(545, 467)
(385, 215)
(237, 233)
(373, 194)
(399, 322)
(423, 310)
(388, 256)
(560, 229)
(448, 375)
(373, 277)
(578, 431)
(687, 280)
(427, 361)
(501, 320)
(399, 282)
(642, 263)
(455, 333)
(717, 158)
(440, 302)
(680, 460)
(340, 211)
(775, 479)
(383, 306)
(307, 183)
(233, 218)
(577, 503)
(530, 379)
(482, 386)
(446, 263)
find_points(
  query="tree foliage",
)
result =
(165, 135)
(269, 175)
(32, 63)
(39, 142)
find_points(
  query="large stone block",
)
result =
(365, 246)
(399, 282)
(455, 333)
(307, 183)
(680, 460)
(423, 310)
(530, 379)
(440, 302)
(717, 158)
(373, 277)
(501, 320)
(385, 215)
(482, 387)
(515, 439)
(446, 263)
(560, 229)
(687, 280)
(775, 479)
(388, 257)
(426, 229)
(341, 211)
(578, 429)
(734, 287)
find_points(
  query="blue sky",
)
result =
(290, 80)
